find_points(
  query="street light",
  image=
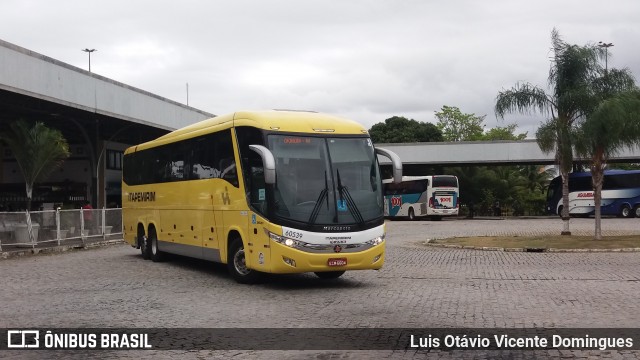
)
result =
(89, 51)
(606, 47)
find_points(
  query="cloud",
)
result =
(365, 59)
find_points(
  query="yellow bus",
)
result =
(263, 192)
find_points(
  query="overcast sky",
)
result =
(363, 59)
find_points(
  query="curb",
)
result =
(57, 249)
(537, 250)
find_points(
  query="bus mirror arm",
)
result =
(395, 162)
(268, 162)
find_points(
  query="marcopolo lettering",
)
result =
(142, 196)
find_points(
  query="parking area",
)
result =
(418, 287)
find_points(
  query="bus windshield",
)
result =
(326, 180)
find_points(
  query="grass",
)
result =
(549, 241)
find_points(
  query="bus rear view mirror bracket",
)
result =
(396, 163)
(268, 162)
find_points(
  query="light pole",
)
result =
(89, 51)
(606, 47)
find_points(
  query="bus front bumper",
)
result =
(285, 259)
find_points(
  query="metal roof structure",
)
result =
(464, 153)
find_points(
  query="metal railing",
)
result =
(58, 227)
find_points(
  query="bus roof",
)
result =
(272, 120)
(578, 175)
(606, 173)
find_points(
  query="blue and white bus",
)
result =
(620, 194)
(418, 196)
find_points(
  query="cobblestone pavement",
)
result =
(418, 287)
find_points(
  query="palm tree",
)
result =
(613, 125)
(536, 178)
(38, 151)
(571, 80)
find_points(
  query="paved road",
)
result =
(418, 287)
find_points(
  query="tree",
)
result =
(399, 129)
(38, 151)
(456, 126)
(572, 76)
(503, 133)
(536, 178)
(613, 125)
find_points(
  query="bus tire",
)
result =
(237, 266)
(327, 275)
(154, 253)
(412, 215)
(625, 211)
(143, 242)
(636, 211)
(560, 208)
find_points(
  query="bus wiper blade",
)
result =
(323, 194)
(353, 209)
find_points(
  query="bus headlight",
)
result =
(377, 241)
(286, 240)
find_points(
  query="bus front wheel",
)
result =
(237, 264)
(329, 274)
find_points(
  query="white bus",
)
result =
(417, 196)
(620, 194)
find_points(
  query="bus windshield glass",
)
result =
(326, 180)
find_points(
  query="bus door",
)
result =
(260, 253)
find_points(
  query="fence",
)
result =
(58, 227)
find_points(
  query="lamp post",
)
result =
(606, 47)
(89, 51)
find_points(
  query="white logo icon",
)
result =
(19, 339)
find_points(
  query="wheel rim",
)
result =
(625, 211)
(638, 211)
(154, 245)
(239, 262)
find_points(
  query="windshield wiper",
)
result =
(323, 194)
(353, 209)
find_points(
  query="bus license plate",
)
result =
(337, 262)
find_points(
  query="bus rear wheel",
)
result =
(625, 211)
(154, 253)
(412, 215)
(237, 264)
(329, 274)
(636, 211)
(143, 242)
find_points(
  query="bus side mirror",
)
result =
(395, 163)
(268, 162)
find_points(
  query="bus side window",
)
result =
(228, 171)
(224, 154)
